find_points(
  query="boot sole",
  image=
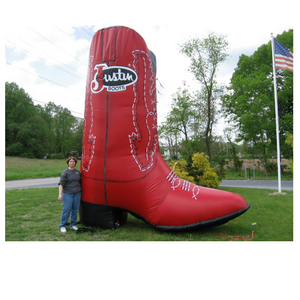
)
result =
(108, 217)
(204, 224)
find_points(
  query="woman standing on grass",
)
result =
(70, 193)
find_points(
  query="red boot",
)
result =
(122, 168)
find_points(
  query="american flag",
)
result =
(283, 57)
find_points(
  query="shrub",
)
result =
(200, 172)
(271, 167)
(203, 172)
(181, 170)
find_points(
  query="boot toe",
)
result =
(209, 208)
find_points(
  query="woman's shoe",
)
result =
(63, 229)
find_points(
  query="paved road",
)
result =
(32, 183)
(259, 184)
(53, 181)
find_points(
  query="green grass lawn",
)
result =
(34, 215)
(23, 168)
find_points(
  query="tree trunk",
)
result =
(207, 131)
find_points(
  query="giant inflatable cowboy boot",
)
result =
(121, 165)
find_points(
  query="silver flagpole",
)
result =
(277, 117)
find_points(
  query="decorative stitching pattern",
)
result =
(142, 63)
(186, 185)
(91, 137)
(196, 191)
(174, 179)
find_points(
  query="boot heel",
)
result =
(103, 216)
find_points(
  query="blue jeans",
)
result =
(71, 203)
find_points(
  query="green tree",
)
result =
(206, 55)
(249, 102)
(170, 139)
(34, 131)
(64, 123)
(65, 128)
(183, 128)
(77, 136)
(180, 118)
(19, 108)
(33, 135)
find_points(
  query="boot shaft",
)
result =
(120, 140)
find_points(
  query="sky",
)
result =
(48, 58)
